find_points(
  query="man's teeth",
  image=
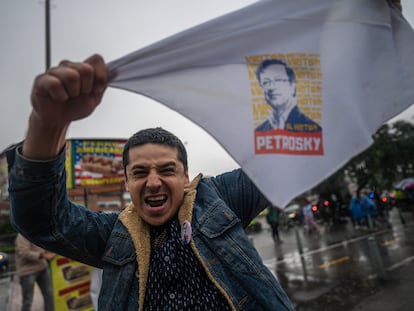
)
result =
(156, 201)
(158, 198)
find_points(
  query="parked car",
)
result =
(4, 262)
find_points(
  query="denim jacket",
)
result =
(218, 209)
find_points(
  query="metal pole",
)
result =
(376, 258)
(298, 241)
(401, 215)
(370, 224)
(302, 259)
(47, 32)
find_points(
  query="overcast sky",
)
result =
(112, 28)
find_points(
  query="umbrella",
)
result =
(405, 184)
(409, 186)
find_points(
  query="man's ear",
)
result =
(126, 184)
(187, 182)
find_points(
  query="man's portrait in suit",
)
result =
(278, 82)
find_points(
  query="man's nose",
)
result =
(272, 85)
(153, 181)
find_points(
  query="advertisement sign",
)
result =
(94, 162)
(71, 284)
(4, 194)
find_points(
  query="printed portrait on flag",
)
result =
(287, 105)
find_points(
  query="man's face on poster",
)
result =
(277, 88)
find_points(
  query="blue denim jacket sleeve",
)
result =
(41, 211)
(223, 206)
(240, 194)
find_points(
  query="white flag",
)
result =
(291, 89)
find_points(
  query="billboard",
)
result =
(94, 162)
(71, 284)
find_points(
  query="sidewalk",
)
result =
(11, 296)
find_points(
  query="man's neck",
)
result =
(281, 112)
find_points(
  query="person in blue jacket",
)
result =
(180, 244)
(356, 212)
(370, 210)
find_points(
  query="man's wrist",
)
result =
(43, 142)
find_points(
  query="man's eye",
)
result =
(139, 173)
(168, 171)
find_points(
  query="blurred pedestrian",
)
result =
(96, 284)
(272, 218)
(382, 209)
(325, 213)
(369, 209)
(356, 212)
(310, 224)
(32, 267)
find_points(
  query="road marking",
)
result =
(334, 262)
(296, 255)
(401, 263)
(390, 242)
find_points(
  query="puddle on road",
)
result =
(338, 295)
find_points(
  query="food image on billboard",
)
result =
(101, 165)
(71, 284)
(94, 162)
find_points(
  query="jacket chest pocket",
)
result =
(227, 241)
(119, 250)
(119, 280)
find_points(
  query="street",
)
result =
(340, 266)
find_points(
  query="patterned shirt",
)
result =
(176, 279)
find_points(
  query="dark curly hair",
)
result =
(155, 136)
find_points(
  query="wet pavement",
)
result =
(13, 302)
(344, 269)
(340, 269)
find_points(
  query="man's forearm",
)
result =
(43, 143)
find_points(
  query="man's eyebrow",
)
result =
(167, 164)
(138, 167)
(162, 165)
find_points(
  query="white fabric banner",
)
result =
(291, 89)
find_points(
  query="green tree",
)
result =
(389, 159)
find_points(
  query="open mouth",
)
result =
(156, 201)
